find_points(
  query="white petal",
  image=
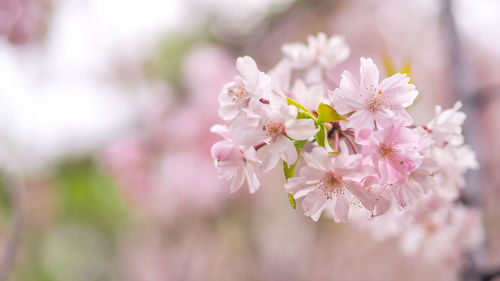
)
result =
(341, 209)
(269, 162)
(248, 70)
(290, 154)
(301, 129)
(253, 181)
(369, 73)
(238, 180)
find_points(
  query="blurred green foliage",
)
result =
(86, 194)
(85, 198)
(166, 62)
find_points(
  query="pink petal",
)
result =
(253, 181)
(238, 180)
(341, 211)
(248, 69)
(369, 73)
(269, 162)
(301, 129)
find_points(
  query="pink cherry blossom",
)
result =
(309, 97)
(393, 151)
(275, 125)
(371, 102)
(320, 50)
(235, 163)
(250, 84)
(321, 53)
(329, 183)
(446, 127)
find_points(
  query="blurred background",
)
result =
(105, 110)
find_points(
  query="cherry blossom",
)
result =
(320, 50)
(310, 97)
(235, 163)
(251, 84)
(446, 127)
(329, 183)
(394, 151)
(357, 146)
(370, 102)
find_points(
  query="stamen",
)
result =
(386, 151)
(331, 184)
(274, 129)
(239, 93)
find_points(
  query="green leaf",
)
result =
(289, 170)
(326, 113)
(299, 145)
(321, 135)
(304, 113)
(292, 201)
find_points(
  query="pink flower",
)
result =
(419, 182)
(275, 125)
(309, 97)
(321, 53)
(235, 163)
(393, 151)
(446, 127)
(329, 183)
(251, 84)
(370, 102)
(320, 50)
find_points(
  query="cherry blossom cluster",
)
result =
(356, 149)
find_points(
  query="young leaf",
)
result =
(289, 170)
(292, 201)
(326, 113)
(299, 145)
(302, 110)
(321, 135)
(303, 115)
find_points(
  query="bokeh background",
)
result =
(105, 110)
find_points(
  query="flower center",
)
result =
(274, 129)
(331, 184)
(376, 98)
(386, 151)
(239, 93)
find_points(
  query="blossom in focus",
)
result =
(250, 84)
(393, 151)
(310, 97)
(370, 102)
(329, 183)
(235, 163)
(278, 126)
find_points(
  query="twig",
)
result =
(336, 146)
(351, 143)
